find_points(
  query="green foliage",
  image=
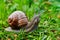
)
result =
(49, 26)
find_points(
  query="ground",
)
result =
(49, 26)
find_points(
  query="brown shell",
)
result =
(17, 20)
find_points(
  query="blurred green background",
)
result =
(49, 26)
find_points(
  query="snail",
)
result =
(18, 20)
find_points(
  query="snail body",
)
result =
(19, 20)
(33, 24)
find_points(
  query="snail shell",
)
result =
(17, 20)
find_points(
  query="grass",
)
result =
(49, 26)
